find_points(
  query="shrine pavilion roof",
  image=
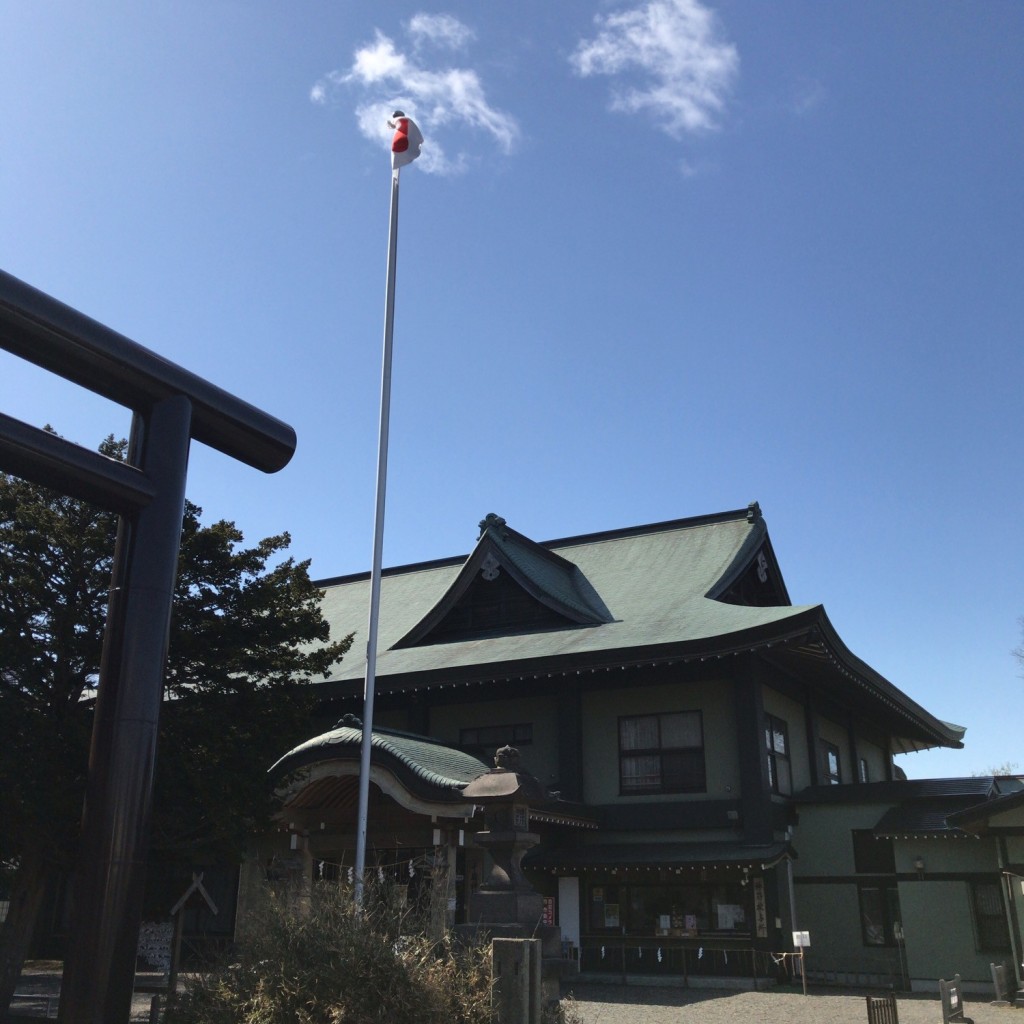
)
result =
(437, 765)
(687, 590)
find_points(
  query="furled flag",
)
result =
(405, 146)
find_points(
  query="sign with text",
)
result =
(760, 909)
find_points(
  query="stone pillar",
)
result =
(516, 981)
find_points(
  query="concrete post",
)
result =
(515, 975)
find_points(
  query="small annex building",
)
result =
(907, 881)
(691, 727)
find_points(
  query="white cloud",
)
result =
(445, 98)
(440, 29)
(680, 70)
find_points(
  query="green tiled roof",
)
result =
(432, 762)
(557, 578)
(653, 580)
(659, 586)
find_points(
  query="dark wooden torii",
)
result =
(170, 406)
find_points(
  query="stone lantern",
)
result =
(506, 793)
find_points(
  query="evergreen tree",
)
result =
(247, 638)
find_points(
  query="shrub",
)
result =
(322, 960)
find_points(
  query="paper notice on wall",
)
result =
(730, 916)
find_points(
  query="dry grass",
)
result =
(324, 961)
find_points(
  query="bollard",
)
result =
(516, 981)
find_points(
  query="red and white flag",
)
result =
(405, 146)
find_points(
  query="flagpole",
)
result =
(378, 548)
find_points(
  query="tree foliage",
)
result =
(247, 638)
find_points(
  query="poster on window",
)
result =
(730, 916)
(611, 915)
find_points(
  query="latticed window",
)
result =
(662, 753)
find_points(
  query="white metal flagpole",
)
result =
(404, 149)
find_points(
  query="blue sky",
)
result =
(657, 259)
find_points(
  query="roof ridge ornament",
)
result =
(754, 512)
(492, 521)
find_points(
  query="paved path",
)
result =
(613, 1004)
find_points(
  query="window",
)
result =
(862, 770)
(776, 739)
(671, 909)
(491, 737)
(662, 753)
(830, 762)
(879, 915)
(871, 855)
(989, 917)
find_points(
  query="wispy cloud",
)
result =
(439, 99)
(671, 61)
(440, 29)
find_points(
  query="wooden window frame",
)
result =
(983, 933)
(833, 778)
(889, 914)
(773, 727)
(661, 753)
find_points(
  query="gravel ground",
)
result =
(613, 1004)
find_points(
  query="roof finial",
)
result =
(492, 521)
(754, 512)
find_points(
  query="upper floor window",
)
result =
(830, 763)
(776, 739)
(662, 753)
(862, 770)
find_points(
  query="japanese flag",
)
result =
(405, 146)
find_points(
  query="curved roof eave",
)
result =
(431, 763)
(946, 734)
